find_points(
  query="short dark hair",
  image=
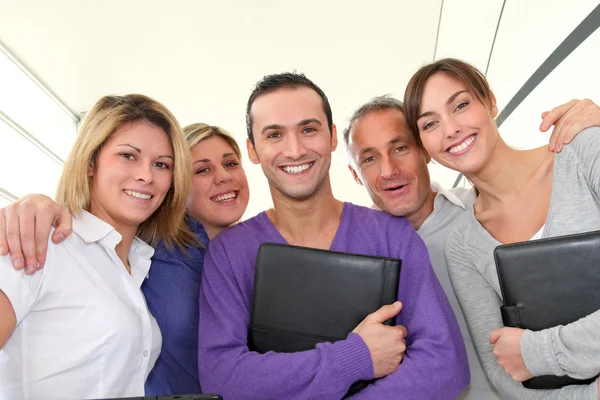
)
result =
(286, 80)
(379, 103)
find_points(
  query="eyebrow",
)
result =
(225, 155)
(369, 149)
(139, 151)
(450, 100)
(301, 123)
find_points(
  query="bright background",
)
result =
(201, 58)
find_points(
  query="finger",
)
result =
(64, 226)
(27, 235)
(13, 238)
(402, 330)
(495, 335)
(3, 243)
(550, 117)
(585, 120)
(43, 224)
(384, 313)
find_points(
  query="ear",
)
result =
(91, 168)
(334, 141)
(355, 175)
(493, 106)
(252, 152)
(427, 156)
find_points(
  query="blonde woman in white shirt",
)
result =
(80, 328)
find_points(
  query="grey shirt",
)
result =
(573, 349)
(450, 205)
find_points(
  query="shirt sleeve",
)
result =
(226, 366)
(21, 289)
(435, 365)
(481, 306)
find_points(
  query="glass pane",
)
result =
(23, 101)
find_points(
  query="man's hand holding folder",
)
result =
(386, 344)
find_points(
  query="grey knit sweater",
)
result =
(573, 349)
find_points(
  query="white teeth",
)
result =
(138, 195)
(297, 169)
(462, 146)
(224, 197)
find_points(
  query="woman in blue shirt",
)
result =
(218, 198)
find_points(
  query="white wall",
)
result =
(201, 59)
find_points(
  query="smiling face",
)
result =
(292, 142)
(386, 159)
(456, 129)
(131, 175)
(219, 194)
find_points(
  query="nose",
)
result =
(389, 168)
(222, 175)
(451, 127)
(143, 173)
(294, 147)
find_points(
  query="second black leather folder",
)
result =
(549, 282)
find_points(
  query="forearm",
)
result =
(324, 373)
(570, 350)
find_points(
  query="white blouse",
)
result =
(83, 327)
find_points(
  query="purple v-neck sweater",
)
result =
(434, 367)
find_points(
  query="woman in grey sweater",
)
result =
(522, 195)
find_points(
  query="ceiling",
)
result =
(201, 58)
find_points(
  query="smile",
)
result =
(461, 146)
(296, 169)
(138, 195)
(225, 197)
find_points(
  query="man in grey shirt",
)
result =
(392, 166)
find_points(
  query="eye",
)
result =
(400, 149)
(368, 160)
(428, 125)
(309, 129)
(230, 164)
(162, 165)
(274, 135)
(202, 170)
(127, 156)
(462, 105)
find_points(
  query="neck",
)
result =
(301, 221)
(213, 230)
(417, 218)
(503, 173)
(123, 247)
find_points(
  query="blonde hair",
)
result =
(110, 113)
(195, 133)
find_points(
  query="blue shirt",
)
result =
(172, 291)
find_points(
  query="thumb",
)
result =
(386, 312)
(64, 226)
(495, 335)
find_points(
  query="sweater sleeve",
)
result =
(571, 349)
(481, 306)
(226, 366)
(435, 365)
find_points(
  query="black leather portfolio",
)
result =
(304, 296)
(549, 282)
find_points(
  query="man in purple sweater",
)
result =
(291, 135)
